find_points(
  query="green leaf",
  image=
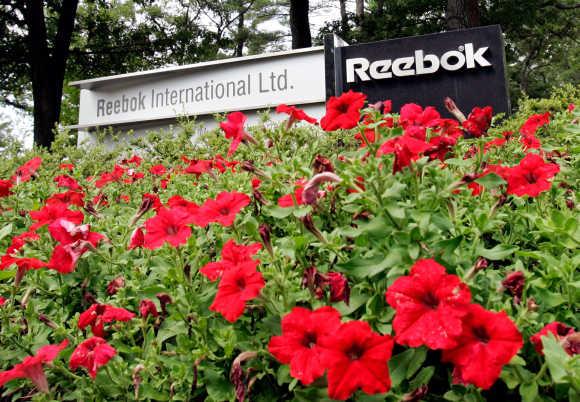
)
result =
(490, 180)
(499, 252)
(556, 358)
(398, 366)
(423, 377)
(418, 359)
(368, 267)
(453, 396)
(395, 211)
(395, 190)
(278, 212)
(5, 231)
(529, 391)
(7, 274)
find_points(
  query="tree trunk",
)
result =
(343, 16)
(299, 24)
(462, 14)
(47, 66)
(380, 7)
(360, 10)
(241, 35)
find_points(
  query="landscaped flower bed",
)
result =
(396, 256)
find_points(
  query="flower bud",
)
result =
(453, 109)
(47, 321)
(309, 225)
(137, 379)
(310, 193)
(137, 239)
(265, 232)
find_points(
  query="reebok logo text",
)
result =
(418, 64)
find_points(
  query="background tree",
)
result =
(300, 24)
(542, 36)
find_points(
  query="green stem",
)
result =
(541, 372)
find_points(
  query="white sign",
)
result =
(246, 83)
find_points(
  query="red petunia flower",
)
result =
(2, 302)
(534, 122)
(529, 141)
(31, 366)
(137, 238)
(299, 344)
(110, 177)
(530, 176)
(224, 208)
(22, 263)
(415, 120)
(169, 225)
(64, 257)
(499, 141)
(236, 287)
(68, 197)
(199, 166)
(441, 147)
(92, 354)
(357, 357)
(478, 121)
(66, 232)
(233, 127)
(20, 240)
(405, 148)
(233, 254)
(295, 114)
(343, 112)
(67, 181)
(134, 160)
(51, 212)
(559, 330)
(190, 207)
(488, 342)
(25, 172)
(430, 306)
(158, 170)
(294, 199)
(99, 314)
(5, 186)
(147, 308)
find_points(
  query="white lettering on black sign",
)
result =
(418, 64)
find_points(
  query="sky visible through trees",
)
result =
(20, 123)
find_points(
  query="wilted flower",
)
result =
(514, 284)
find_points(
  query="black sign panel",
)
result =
(466, 65)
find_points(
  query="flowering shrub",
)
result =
(381, 256)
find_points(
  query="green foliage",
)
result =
(416, 213)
